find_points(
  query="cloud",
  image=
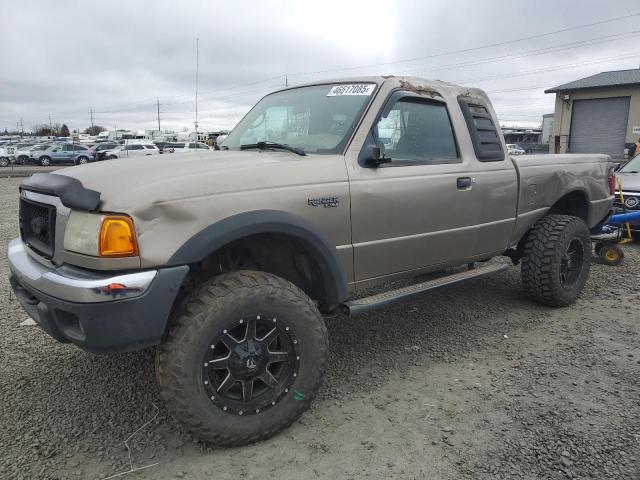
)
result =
(117, 57)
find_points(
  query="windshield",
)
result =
(632, 167)
(316, 119)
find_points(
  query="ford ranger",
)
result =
(322, 191)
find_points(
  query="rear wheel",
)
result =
(556, 260)
(82, 160)
(4, 162)
(44, 161)
(244, 359)
(112, 157)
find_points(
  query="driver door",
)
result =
(419, 209)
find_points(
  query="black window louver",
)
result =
(485, 135)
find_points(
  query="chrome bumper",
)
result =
(72, 284)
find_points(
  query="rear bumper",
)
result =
(77, 306)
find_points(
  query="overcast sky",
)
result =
(65, 57)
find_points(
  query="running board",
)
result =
(361, 305)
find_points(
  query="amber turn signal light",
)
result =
(117, 237)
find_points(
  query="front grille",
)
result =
(38, 226)
(632, 202)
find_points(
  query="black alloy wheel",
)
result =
(571, 263)
(250, 365)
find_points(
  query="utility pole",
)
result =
(21, 127)
(197, 69)
(50, 126)
(286, 80)
(158, 105)
(91, 115)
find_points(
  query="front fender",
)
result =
(241, 225)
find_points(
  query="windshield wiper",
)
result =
(267, 144)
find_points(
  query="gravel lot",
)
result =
(24, 170)
(470, 382)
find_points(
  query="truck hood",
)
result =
(630, 181)
(127, 184)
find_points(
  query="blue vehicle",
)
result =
(62, 153)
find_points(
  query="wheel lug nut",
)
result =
(287, 329)
(257, 410)
(240, 412)
(224, 408)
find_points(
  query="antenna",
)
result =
(158, 105)
(197, 68)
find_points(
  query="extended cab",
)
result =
(320, 192)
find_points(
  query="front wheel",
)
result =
(82, 160)
(556, 260)
(244, 359)
(45, 161)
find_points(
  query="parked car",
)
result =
(99, 149)
(227, 262)
(61, 153)
(5, 159)
(186, 147)
(131, 150)
(515, 149)
(629, 177)
(23, 151)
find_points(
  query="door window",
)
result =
(414, 131)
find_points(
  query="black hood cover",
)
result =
(70, 191)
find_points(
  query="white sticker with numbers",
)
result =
(353, 89)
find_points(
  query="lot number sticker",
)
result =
(355, 89)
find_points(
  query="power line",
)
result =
(452, 52)
(529, 53)
(546, 69)
(473, 49)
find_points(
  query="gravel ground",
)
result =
(474, 381)
(24, 170)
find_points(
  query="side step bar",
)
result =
(361, 305)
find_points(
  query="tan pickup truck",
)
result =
(226, 259)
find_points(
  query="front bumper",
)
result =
(97, 312)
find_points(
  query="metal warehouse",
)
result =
(597, 114)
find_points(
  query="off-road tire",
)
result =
(543, 252)
(205, 312)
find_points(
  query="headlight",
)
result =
(100, 235)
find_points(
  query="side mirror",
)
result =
(377, 157)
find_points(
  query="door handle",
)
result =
(464, 183)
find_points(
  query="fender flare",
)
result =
(241, 225)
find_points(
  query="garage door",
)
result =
(599, 126)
